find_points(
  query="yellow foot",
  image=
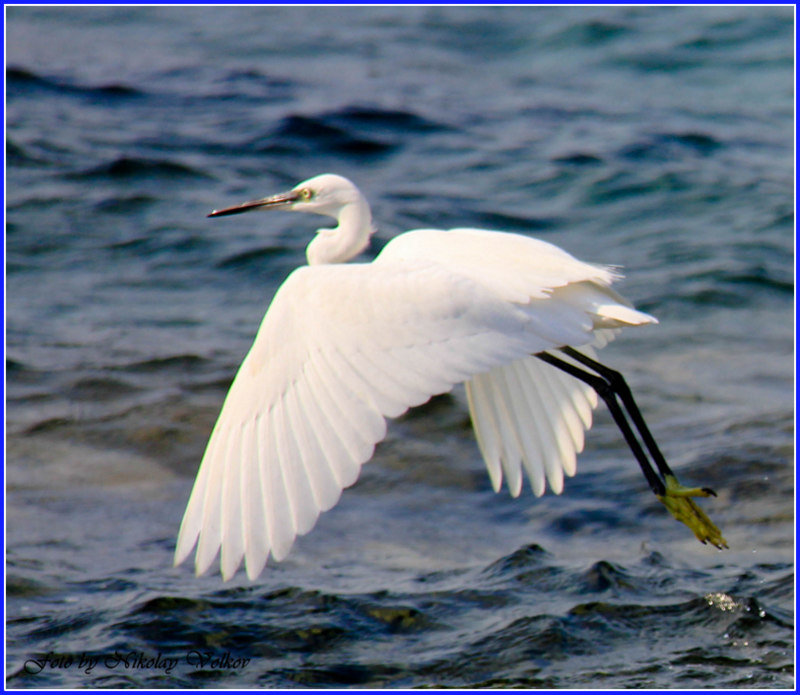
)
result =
(677, 499)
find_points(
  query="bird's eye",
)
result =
(306, 194)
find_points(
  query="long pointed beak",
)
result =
(274, 201)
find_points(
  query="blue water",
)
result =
(658, 139)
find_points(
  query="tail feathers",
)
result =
(617, 315)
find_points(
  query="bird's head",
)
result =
(326, 194)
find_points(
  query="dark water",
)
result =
(660, 139)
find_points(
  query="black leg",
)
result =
(620, 387)
(611, 386)
(607, 388)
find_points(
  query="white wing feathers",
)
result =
(514, 268)
(342, 347)
(530, 415)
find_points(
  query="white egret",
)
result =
(343, 347)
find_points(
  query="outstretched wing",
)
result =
(529, 415)
(340, 349)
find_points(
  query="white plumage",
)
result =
(343, 347)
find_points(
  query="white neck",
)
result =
(349, 238)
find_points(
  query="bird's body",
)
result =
(344, 346)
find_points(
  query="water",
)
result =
(660, 139)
